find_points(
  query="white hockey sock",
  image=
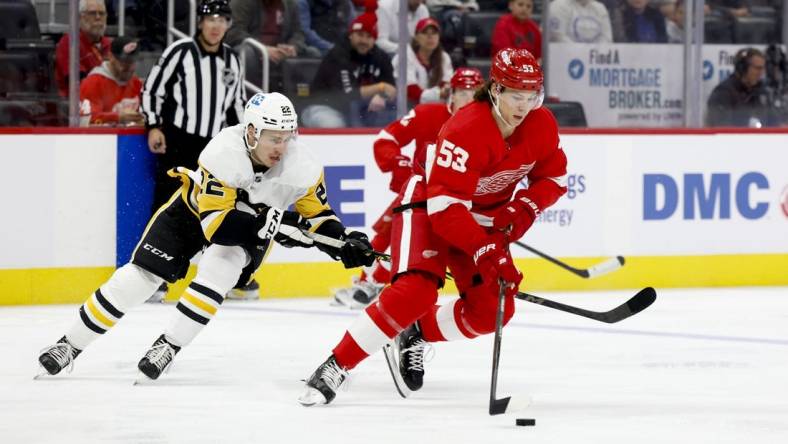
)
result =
(219, 269)
(128, 287)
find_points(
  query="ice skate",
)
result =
(321, 388)
(359, 295)
(159, 358)
(57, 357)
(405, 357)
(159, 295)
(249, 292)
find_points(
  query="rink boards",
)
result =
(688, 208)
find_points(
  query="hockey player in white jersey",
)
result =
(232, 208)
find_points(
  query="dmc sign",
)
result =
(701, 198)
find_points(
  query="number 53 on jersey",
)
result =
(452, 156)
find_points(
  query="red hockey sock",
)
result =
(399, 306)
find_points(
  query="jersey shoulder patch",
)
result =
(226, 158)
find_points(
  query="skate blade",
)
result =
(311, 397)
(142, 379)
(388, 352)
(43, 375)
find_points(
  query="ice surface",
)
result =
(701, 366)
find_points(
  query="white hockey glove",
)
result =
(291, 231)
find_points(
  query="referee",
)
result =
(194, 90)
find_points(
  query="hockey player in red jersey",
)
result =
(461, 214)
(421, 125)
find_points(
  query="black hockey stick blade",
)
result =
(605, 267)
(637, 303)
(498, 406)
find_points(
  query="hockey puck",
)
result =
(525, 422)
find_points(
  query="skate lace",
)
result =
(333, 375)
(63, 353)
(160, 355)
(420, 352)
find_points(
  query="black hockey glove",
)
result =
(290, 231)
(357, 250)
(268, 221)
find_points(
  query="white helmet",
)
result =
(271, 111)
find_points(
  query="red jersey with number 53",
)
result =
(421, 124)
(473, 171)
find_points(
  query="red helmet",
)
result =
(518, 69)
(466, 78)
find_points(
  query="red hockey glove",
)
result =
(403, 168)
(516, 217)
(494, 262)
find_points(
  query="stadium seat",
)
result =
(298, 74)
(49, 111)
(21, 72)
(478, 32)
(568, 114)
(717, 29)
(482, 64)
(18, 20)
(763, 11)
(754, 29)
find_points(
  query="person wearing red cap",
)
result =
(388, 22)
(112, 88)
(462, 214)
(421, 125)
(428, 65)
(354, 84)
(517, 29)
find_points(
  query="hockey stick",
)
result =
(337, 243)
(637, 303)
(498, 406)
(605, 267)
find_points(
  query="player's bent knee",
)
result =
(220, 267)
(130, 286)
(482, 317)
(410, 296)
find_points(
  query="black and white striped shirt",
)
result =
(194, 90)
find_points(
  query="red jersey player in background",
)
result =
(462, 215)
(421, 124)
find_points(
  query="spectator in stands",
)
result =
(355, 81)
(275, 24)
(388, 22)
(730, 8)
(517, 30)
(324, 22)
(674, 26)
(742, 99)
(452, 15)
(112, 88)
(429, 67)
(580, 21)
(93, 44)
(636, 21)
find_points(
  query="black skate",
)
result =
(321, 388)
(159, 358)
(59, 356)
(405, 357)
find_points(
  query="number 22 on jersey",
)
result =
(452, 156)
